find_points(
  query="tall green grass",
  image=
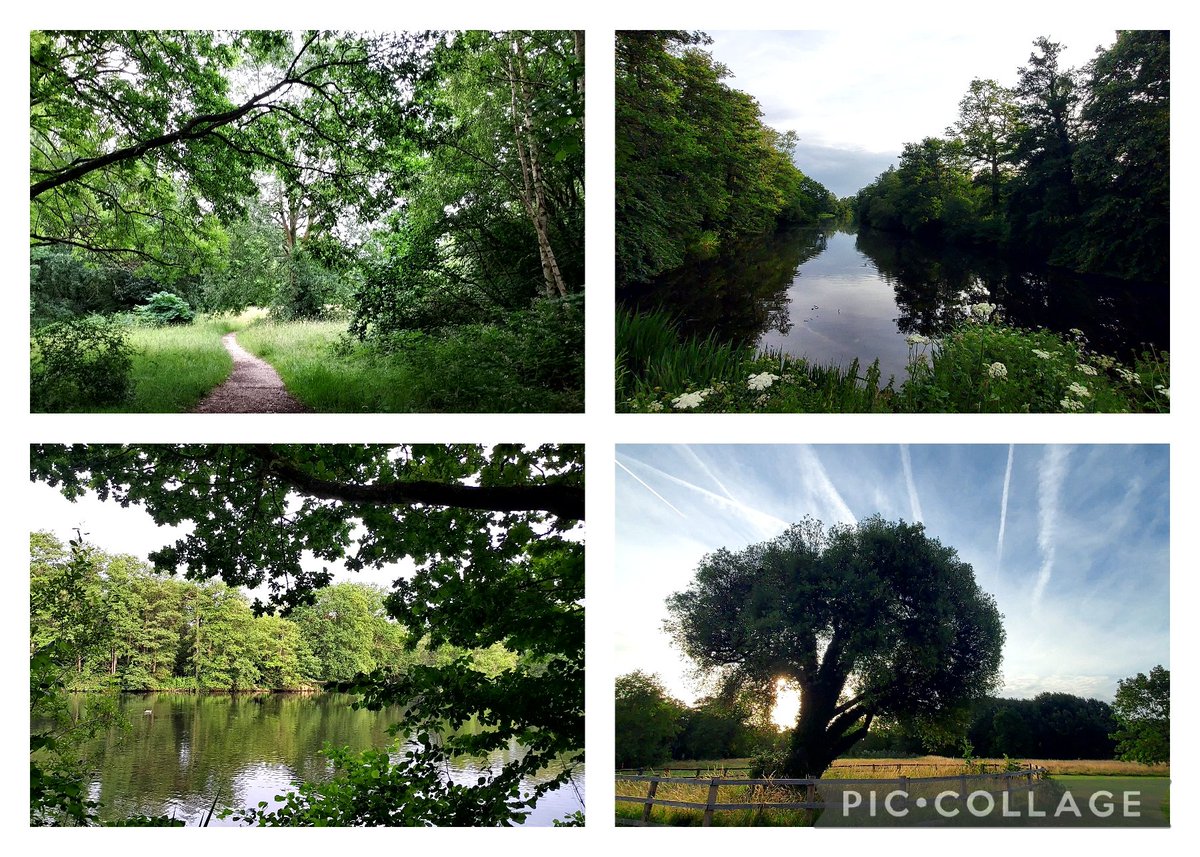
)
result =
(174, 367)
(475, 369)
(651, 354)
(655, 363)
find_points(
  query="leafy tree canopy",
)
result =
(1142, 709)
(489, 530)
(876, 619)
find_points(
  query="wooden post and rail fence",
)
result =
(810, 786)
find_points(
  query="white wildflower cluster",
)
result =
(687, 401)
(982, 311)
(761, 400)
(656, 406)
(1085, 369)
(1103, 361)
(916, 339)
(1071, 405)
(1044, 355)
(761, 381)
(1166, 391)
(998, 370)
(1078, 389)
(1127, 376)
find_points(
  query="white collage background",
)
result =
(600, 429)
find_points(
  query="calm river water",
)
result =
(249, 749)
(832, 296)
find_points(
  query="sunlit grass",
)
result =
(173, 367)
(689, 789)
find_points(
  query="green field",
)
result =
(1058, 800)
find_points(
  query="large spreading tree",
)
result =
(493, 533)
(875, 620)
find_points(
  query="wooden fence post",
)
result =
(649, 801)
(712, 799)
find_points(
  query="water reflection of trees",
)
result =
(195, 748)
(739, 294)
(933, 290)
(934, 285)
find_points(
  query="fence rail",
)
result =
(811, 801)
(707, 772)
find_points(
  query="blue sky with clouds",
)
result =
(1072, 541)
(856, 97)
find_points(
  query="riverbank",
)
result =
(979, 366)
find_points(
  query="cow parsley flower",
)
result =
(1045, 355)
(982, 310)
(916, 339)
(1078, 389)
(1071, 405)
(688, 400)
(656, 406)
(761, 381)
(998, 370)
(1085, 369)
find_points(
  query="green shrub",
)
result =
(79, 361)
(991, 367)
(165, 308)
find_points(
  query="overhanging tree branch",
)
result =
(566, 501)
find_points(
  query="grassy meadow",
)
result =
(1082, 775)
(477, 368)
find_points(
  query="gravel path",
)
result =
(254, 387)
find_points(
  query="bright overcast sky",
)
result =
(131, 530)
(856, 97)
(1077, 557)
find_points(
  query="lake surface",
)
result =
(250, 748)
(833, 296)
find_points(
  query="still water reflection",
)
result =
(193, 747)
(833, 296)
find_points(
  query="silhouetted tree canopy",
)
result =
(874, 619)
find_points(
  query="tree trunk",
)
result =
(534, 196)
(810, 750)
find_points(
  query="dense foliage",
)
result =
(876, 619)
(406, 183)
(1066, 165)
(1142, 710)
(151, 632)
(653, 727)
(1048, 726)
(84, 360)
(491, 533)
(695, 166)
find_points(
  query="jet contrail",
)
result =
(913, 500)
(1003, 509)
(708, 472)
(651, 490)
(1050, 481)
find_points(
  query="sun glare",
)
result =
(787, 704)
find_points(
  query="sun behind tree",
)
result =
(872, 620)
